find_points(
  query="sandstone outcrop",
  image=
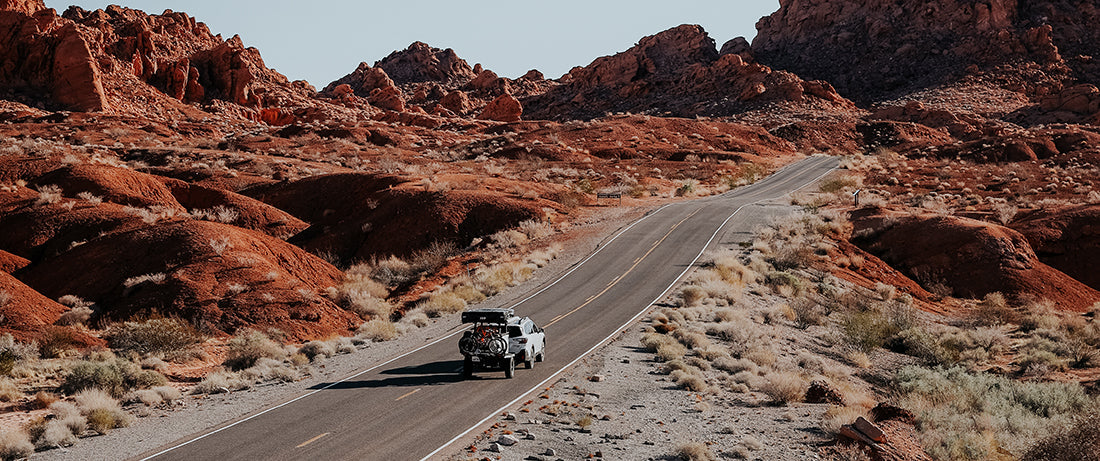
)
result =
(970, 258)
(1067, 239)
(119, 60)
(869, 50)
(505, 108)
(678, 72)
(28, 7)
(422, 63)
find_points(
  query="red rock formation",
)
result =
(199, 261)
(361, 82)
(505, 108)
(422, 63)
(104, 60)
(402, 221)
(971, 258)
(117, 185)
(1067, 239)
(677, 71)
(871, 49)
(10, 263)
(46, 54)
(457, 102)
(28, 7)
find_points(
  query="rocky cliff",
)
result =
(121, 60)
(678, 72)
(870, 50)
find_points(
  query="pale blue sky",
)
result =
(323, 40)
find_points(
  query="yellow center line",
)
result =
(307, 442)
(622, 277)
(406, 395)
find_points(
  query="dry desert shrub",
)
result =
(247, 348)
(220, 381)
(15, 445)
(785, 387)
(378, 330)
(415, 318)
(670, 351)
(102, 411)
(653, 341)
(692, 295)
(168, 393)
(9, 390)
(315, 349)
(48, 195)
(993, 310)
(690, 378)
(1079, 441)
(267, 369)
(694, 451)
(115, 377)
(171, 337)
(964, 415)
(69, 415)
(733, 366)
(442, 303)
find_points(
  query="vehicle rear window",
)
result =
(514, 330)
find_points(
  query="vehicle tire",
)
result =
(468, 367)
(541, 355)
(510, 367)
(528, 361)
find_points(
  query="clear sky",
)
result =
(323, 40)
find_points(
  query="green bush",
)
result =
(114, 377)
(154, 336)
(1079, 441)
(246, 349)
(963, 415)
(56, 341)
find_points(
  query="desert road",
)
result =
(415, 405)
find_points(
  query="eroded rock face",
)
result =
(422, 63)
(677, 71)
(878, 48)
(968, 257)
(361, 82)
(22, 6)
(46, 54)
(1068, 239)
(123, 60)
(505, 108)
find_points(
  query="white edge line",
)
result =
(276, 407)
(618, 330)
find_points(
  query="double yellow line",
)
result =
(623, 276)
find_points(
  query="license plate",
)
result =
(475, 359)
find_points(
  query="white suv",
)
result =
(498, 340)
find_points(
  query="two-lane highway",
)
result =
(418, 403)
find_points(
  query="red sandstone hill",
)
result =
(121, 60)
(888, 48)
(359, 216)
(970, 258)
(677, 72)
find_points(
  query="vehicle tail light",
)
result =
(521, 340)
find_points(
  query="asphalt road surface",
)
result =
(414, 406)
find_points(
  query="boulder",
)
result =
(505, 108)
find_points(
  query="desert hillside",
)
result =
(175, 216)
